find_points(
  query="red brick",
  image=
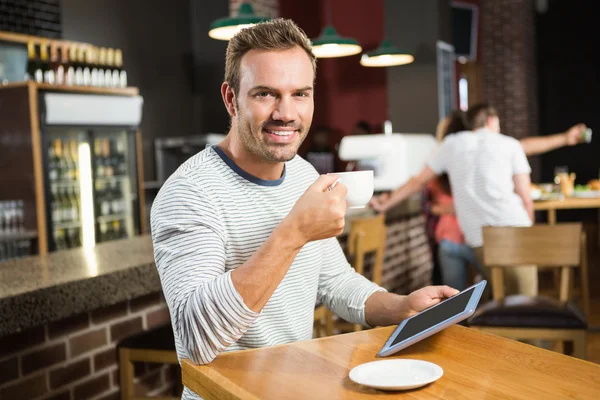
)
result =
(126, 328)
(140, 303)
(69, 325)
(43, 358)
(157, 318)
(116, 379)
(10, 370)
(105, 359)
(21, 340)
(26, 389)
(148, 383)
(66, 395)
(111, 312)
(111, 396)
(91, 388)
(71, 373)
(87, 342)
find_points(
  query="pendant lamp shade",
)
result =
(329, 44)
(226, 28)
(385, 55)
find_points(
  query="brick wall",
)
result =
(509, 65)
(269, 8)
(77, 359)
(407, 263)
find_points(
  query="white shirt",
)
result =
(207, 220)
(481, 166)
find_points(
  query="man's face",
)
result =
(274, 106)
(493, 124)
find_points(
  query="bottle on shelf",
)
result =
(122, 162)
(75, 158)
(99, 163)
(106, 158)
(60, 240)
(102, 67)
(73, 238)
(103, 232)
(61, 163)
(119, 73)
(55, 206)
(32, 61)
(73, 203)
(50, 74)
(63, 65)
(108, 74)
(70, 75)
(94, 67)
(52, 164)
(80, 66)
(42, 67)
(87, 71)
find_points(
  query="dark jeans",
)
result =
(454, 263)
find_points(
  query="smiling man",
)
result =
(244, 232)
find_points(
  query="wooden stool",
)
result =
(153, 346)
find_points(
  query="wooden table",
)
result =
(568, 203)
(476, 366)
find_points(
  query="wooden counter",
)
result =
(568, 203)
(476, 366)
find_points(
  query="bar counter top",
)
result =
(41, 289)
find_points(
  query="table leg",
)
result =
(552, 217)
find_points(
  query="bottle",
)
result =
(50, 75)
(75, 157)
(69, 163)
(62, 65)
(116, 198)
(108, 75)
(106, 159)
(122, 165)
(42, 67)
(114, 157)
(80, 66)
(70, 76)
(74, 204)
(118, 230)
(105, 199)
(119, 74)
(52, 164)
(87, 67)
(59, 239)
(63, 168)
(103, 232)
(55, 207)
(102, 67)
(94, 66)
(99, 163)
(65, 206)
(32, 61)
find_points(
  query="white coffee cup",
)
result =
(359, 185)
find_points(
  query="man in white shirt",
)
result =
(490, 178)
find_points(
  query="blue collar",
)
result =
(244, 174)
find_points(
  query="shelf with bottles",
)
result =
(68, 237)
(18, 235)
(69, 63)
(67, 225)
(112, 230)
(110, 159)
(111, 218)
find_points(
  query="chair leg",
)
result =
(559, 346)
(329, 323)
(126, 375)
(580, 345)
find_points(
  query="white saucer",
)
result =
(396, 374)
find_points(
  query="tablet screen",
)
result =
(434, 316)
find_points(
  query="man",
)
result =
(244, 232)
(490, 179)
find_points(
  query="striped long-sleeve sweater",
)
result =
(209, 218)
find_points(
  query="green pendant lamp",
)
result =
(226, 28)
(385, 55)
(329, 44)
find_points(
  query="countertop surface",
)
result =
(36, 290)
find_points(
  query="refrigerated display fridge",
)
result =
(75, 159)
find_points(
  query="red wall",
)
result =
(345, 92)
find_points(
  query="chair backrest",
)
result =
(548, 245)
(558, 246)
(367, 235)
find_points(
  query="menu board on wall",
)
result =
(445, 76)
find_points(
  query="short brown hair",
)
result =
(276, 34)
(478, 114)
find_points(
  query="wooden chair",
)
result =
(153, 346)
(522, 317)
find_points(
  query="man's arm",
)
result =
(413, 186)
(211, 308)
(522, 184)
(541, 144)
(384, 309)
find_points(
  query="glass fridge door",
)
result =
(116, 201)
(65, 187)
